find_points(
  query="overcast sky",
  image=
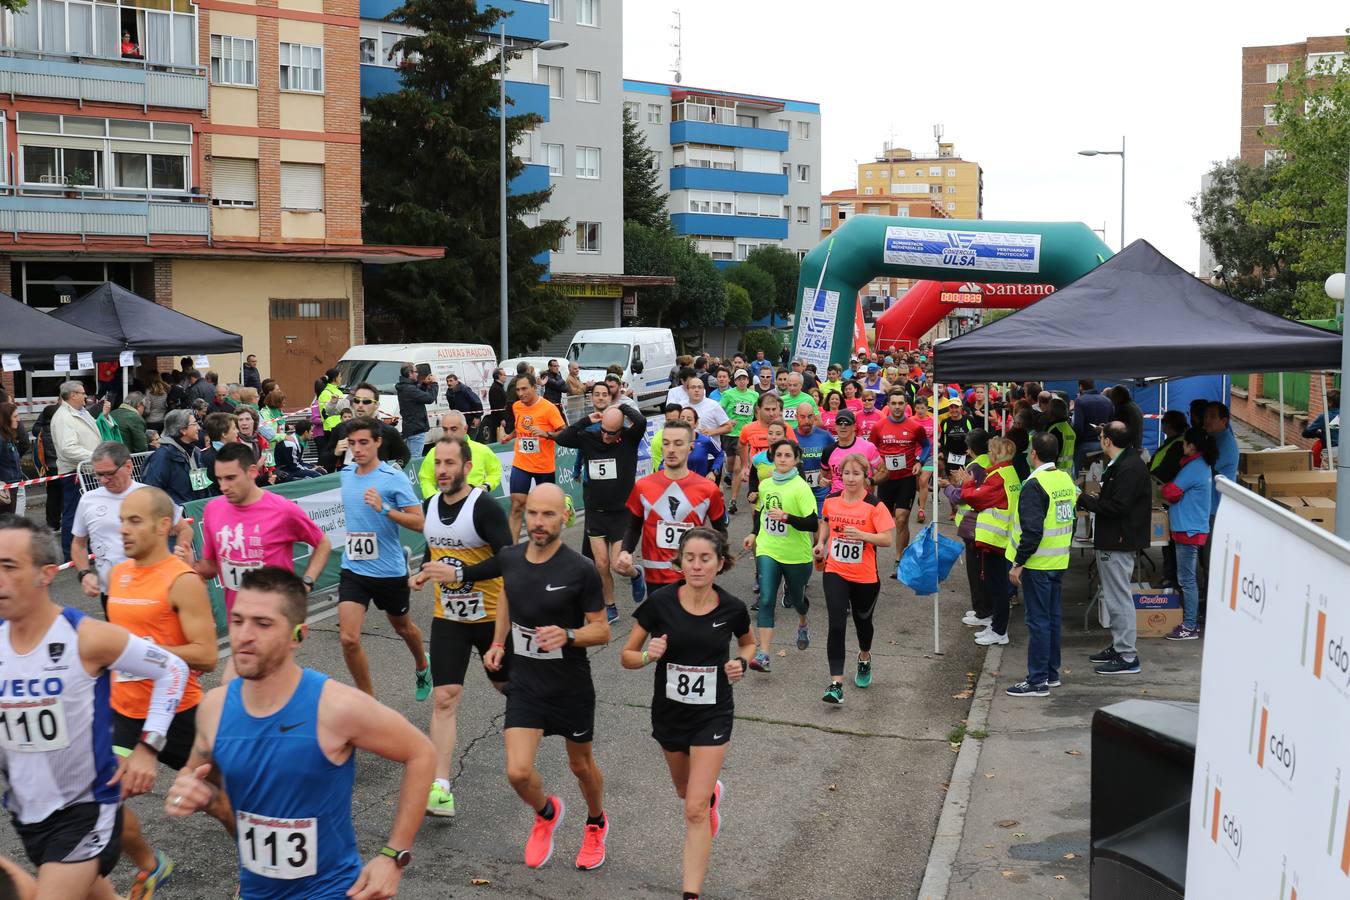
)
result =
(1018, 87)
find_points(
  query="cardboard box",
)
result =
(1159, 527)
(1156, 610)
(1250, 482)
(1280, 459)
(1082, 526)
(1313, 483)
(1318, 510)
(1292, 504)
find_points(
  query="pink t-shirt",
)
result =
(866, 422)
(866, 448)
(240, 538)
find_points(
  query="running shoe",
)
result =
(803, 637)
(731, 507)
(539, 847)
(440, 802)
(760, 663)
(989, 637)
(1119, 666)
(1182, 633)
(863, 676)
(592, 855)
(424, 679)
(787, 604)
(1026, 689)
(1103, 656)
(977, 621)
(639, 589)
(834, 694)
(1054, 682)
(923, 515)
(611, 613)
(714, 813)
(148, 883)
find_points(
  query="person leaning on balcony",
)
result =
(130, 49)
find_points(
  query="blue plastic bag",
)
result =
(919, 570)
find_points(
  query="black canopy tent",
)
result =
(1137, 315)
(136, 323)
(36, 337)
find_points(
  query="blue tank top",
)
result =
(288, 798)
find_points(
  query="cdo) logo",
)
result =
(1274, 749)
(1249, 589)
(1225, 829)
(1328, 649)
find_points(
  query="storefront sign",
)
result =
(607, 291)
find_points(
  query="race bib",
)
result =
(362, 545)
(466, 607)
(956, 459)
(1064, 511)
(845, 550)
(775, 527)
(602, 469)
(269, 458)
(198, 479)
(668, 534)
(524, 644)
(284, 849)
(896, 463)
(37, 725)
(691, 684)
(231, 572)
(813, 477)
(527, 445)
(790, 414)
(743, 408)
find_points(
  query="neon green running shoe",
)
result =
(863, 677)
(440, 802)
(424, 679)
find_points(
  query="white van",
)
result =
(379, 364)
(646, 355)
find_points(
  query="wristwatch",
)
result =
(153, 739)
(308, 582)
(83, 572)
(401, 858)
(571, 637)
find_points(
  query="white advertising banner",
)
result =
(815, 328)
(1269, 815)
(976, 251)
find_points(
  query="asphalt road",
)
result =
(820, 801)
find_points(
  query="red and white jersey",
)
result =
(668, 509)
(900, 444)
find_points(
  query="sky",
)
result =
(1018, 87)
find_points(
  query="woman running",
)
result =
(689, 625)
(853, 396)
(834, 402)
(784, 522)
(854, 523)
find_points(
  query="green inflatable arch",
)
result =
(939, 249)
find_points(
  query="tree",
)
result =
(643, 200)
(700, 292)
(650, 251)
(699, 297)
(785, 269)
(429, 175)
(762, 339)
(758, 285)
(739, 312)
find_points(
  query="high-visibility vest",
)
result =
(1068, 443)
(983, 462)
(1162, 451)
(992, 525)
(1057, 533)
(330, 392)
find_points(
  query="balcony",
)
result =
(699, 178)
(522, 96)
(122, 218)
(526, 19)
(534, 178)
(691, 132)
(730, 226)
(95, 81)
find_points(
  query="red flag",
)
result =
(859, 331)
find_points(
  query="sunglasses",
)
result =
(606, 431)
(357, 402)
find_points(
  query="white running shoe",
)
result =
(986, 638)
(976, 622)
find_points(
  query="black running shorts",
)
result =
(452, 643)
(570, 715)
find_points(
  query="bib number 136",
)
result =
(278, 848)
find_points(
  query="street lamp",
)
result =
(501, 116)
(1121, 154)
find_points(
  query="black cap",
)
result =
(846, 417)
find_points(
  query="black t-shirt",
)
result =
(557, 592)
(610, 470)
(692, 643)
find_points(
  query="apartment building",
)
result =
(204, 156)
(955, 184)
(1262, 68)
(743, 171)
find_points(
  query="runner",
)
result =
(607, 444)
(706, 457)
(848, 442)
(713, 420)
(901, 441)
(739, 404)
(156, 596)
(552, 607)
(816, 444)
(280, 741)
(486, 471)
(852, 526)
(692, 708)
(533, 462)
(377, 499)
(924, 417)
(664, 505)
(464, 525)
(65, 783)
(754, 436)
(97, 528)
(794, 399)
(783, 528)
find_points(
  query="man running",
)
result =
(846, 423)
(552, 607)
(377, 499)
(486, 471)
(739, 404)
(280, 740)
(156, 596)
(534, 460)
(464, 525)
(664, 505)
(65, 783)
(900, 439)
(755, 437)
(608, 444)
(816, 444)
(794, 399)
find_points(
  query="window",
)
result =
(1268, 114)
(302, 67)
(588, 237)
(656, 161)
(803, 131)
(705, 109)
(951, 206)
(588, 13)
(701, 156)
(560, 245)
(951, 189)
(762, 205)
(588, 162)
(553, 77)
(302, 187)
(232, 61)
(234, 182)
(370, 51)
(633, 109)
(716, 248)
(784, 124)
(825, 214)
(867, 174)
(935, 171)
(390, 54)
(553, 156)
(803, 215)
(524, 147)
(1334, 61)
(162, 32)
(109, 154)
(588, 86)
(747, 121)
(716, 203)
(899, 173)
(868, 190)
(803, 173)
(787, 170)
(750, 160)
(654, 113)
(902, 210)
(1273, 156)
(1276, 71)
(951, 173)
(555, 10)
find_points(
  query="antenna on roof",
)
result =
(678, 68)
(937, 135)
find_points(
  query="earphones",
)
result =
(297, 634)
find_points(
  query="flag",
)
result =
(859, 331)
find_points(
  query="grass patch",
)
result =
(979, 734)
(957, 734)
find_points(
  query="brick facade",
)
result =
(1263, 414)
(1257, 92)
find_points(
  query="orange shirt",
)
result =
(535, 454)
(756, 436)
(850, 558)
(138, 600)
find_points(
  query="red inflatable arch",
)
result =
(928, 302)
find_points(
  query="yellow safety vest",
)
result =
(983, 462)
(992, 525)
(1162, 451)
(1057, 534)
(330, 392)
(1068, 443)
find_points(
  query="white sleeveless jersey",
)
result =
(55, 725)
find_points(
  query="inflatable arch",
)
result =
(1055, 253)
(928, 302)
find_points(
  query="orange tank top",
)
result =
(138, 600)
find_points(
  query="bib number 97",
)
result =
(668, 534)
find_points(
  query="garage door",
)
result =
(591, 313)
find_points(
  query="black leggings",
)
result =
(840, 597)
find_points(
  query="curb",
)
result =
(951, 824)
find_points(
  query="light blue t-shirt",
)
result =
(396, 492)
(1227, 465)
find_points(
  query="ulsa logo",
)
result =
(1274, 749)
(1225, 829)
